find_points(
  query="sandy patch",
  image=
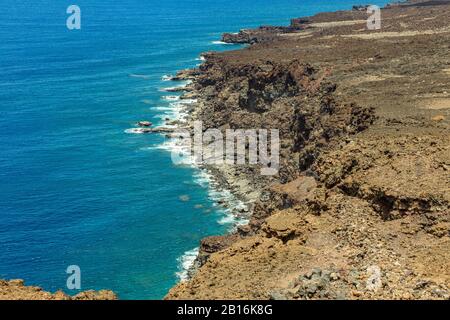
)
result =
(436, 104)
(371, 78)
(333, 24)
(299, 35)
(381, 35)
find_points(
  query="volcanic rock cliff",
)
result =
(360, 207)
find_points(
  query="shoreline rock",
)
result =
(17, 290)
(146, 130)
(144, 124)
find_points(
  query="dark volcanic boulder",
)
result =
(210, 245)
(240, 37)
(261, 34)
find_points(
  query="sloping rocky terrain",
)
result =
(360, 208)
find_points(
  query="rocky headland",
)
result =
(360, 207)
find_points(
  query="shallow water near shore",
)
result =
(76, 189)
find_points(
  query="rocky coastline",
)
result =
(358, 139)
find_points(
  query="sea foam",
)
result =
(134, 131)
(185, 263)
(139, 76)
(171, 98)
(220, 42)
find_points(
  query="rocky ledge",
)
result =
(360, 207)
(16, 290)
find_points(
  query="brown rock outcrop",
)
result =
(17, 290)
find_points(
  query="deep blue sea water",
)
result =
(75, 189)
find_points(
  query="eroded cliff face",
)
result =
(290, 96)
(17, 290)
(360, 208)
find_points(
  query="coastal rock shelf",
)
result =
(17, 290)
(184, 75)
(178, 89)
(144, 124)
(153, 130)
